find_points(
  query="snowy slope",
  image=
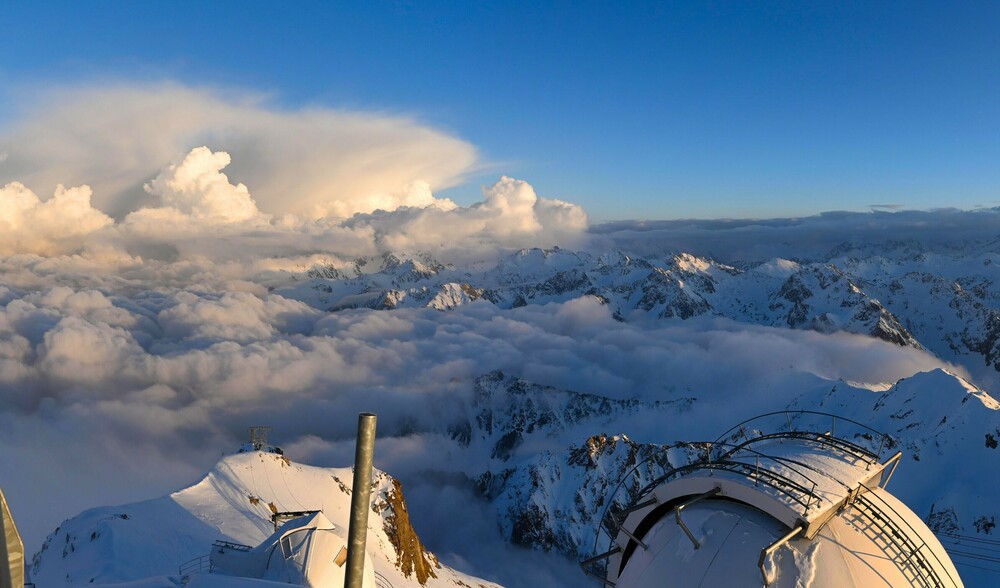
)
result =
(234, 503)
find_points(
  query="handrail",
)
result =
(777, 481)
(194, 565)
(734, 465)
(820, 438)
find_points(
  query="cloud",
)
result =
(197, 187)
(889, 207)
(297, 183)
(198, 213)
(310, 162)
(59, 224)
(511, 215)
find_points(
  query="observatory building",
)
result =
(306, 551)
(783, 500)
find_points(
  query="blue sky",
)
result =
(633, 110)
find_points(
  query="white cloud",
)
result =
(197, 187)
(310, 162)
(510, 215)
(199, 215)
(57, 225)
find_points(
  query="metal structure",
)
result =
(280, 518)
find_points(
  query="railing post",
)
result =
(357, 532)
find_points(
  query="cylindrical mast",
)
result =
(357, 533)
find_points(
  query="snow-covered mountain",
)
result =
(148, 541)
(947, 302)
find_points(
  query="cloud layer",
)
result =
(814, 237)
(147, 389)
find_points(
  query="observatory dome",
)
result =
(783, 500)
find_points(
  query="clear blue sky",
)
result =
(634, 110)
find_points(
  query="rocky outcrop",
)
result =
(412, 559)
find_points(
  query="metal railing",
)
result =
(852, 437)
(902, 538)
(381, 581)
(202, 563)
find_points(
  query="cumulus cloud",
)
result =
(511, 214)
(59, 224)
(198, 213)
(310, 162)
(198, 188)
(297, 183)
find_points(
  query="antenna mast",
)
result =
(258, 438)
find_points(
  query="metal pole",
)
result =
(11, 549)
(357, 532)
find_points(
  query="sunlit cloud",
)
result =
(310, 162)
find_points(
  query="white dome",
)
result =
(787, 509)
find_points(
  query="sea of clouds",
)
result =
(138, 337)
